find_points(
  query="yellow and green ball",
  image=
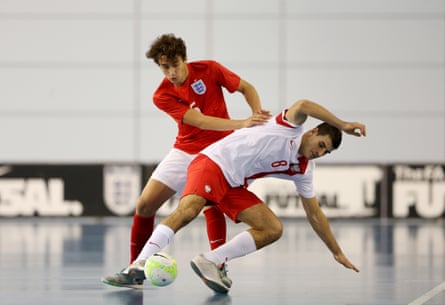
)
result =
(161, 269)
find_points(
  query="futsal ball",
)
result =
(161, 269)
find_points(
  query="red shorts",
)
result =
(205, 178)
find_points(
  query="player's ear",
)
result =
(314, 131)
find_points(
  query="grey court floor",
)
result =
(61, 261)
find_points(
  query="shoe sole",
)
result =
(211, 284)
(111, 283)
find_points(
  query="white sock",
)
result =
(242, 244)
(159, 239)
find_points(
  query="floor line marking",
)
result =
(428, 295)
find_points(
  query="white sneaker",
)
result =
(227, 280)
(210, 273)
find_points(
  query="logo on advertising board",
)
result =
(342, 191)
(122, 187)
(419, 191)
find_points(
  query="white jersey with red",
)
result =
(269, 150)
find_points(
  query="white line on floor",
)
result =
(428, 295)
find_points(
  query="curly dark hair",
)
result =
(167, 45)
(333, 132)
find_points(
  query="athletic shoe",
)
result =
(226, 280)
(210, 274)
(132, 277)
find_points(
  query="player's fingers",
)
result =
(345, 262)
(260, 117)
(351, 266)
(356, 132)
(360, 130)
(264, 112)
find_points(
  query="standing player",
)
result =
(220, 174)
(192, 94)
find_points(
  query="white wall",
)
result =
(76, 87)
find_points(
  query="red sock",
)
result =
(216, 227)
(140, 232)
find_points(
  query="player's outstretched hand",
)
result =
(341, 258)
(354, 128)
(258, 118)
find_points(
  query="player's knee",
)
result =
(268, 234)
(275, 230)
(152, 198)
(143, 208)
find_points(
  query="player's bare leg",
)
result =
(265, 229)
(154, 194)
(265, 226)
(188, 209)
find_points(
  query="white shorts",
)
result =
(172, 171)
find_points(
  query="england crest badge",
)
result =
(122, 186)
(199, 87)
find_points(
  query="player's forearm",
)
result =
(253, 99)
(197, 119)
(302, 109)
(251, 96)
(213, 123)
(319, 112)
(321, 226)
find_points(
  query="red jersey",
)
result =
(202, 91)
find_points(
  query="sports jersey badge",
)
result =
(199, 87)
(295, 168)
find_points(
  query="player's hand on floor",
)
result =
(341, 258)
